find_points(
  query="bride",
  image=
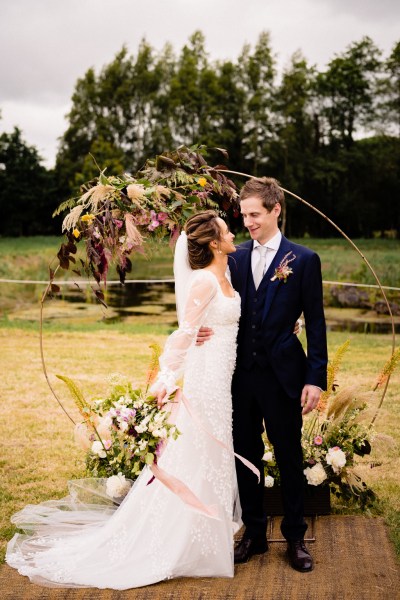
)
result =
(153, 535)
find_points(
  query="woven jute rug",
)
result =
(354, 560)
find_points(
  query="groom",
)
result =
(275, 382)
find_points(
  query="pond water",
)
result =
(156, 302)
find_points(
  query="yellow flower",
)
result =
(76, 233)
(87, 218)
(202, 181)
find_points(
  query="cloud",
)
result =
(41, 125)
(49, 44)
(365, 10)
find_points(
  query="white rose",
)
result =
(142, 444)
(117, 486)
(97, 448)
(269, 481)
(316, 474)
(267, 457)
(336, 458)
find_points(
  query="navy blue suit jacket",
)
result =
(284, 303)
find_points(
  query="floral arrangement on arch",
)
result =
(115, 214)
(335, 435)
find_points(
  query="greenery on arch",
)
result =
(115, 214)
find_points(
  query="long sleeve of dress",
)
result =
(202, 290)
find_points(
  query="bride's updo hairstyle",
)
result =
(201, 229)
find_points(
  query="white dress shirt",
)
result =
(272, 248)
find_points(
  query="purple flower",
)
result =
(153, 221)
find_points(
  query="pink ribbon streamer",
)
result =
(181, 489)
(176, 485)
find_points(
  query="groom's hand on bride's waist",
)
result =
(204, 334)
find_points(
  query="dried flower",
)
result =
(283, 271)
(135, 191)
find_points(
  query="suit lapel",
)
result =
(272, 286)
(242, 257)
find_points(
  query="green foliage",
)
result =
(27, 195)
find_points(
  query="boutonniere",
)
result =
(283, 270)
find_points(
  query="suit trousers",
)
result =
(259, 401)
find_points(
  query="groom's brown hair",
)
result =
(265, 188)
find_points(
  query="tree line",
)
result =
(330, 135)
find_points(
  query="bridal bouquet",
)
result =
(123, 431)
(126, 432)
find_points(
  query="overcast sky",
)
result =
(46, 45)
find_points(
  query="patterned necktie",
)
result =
(258, 273)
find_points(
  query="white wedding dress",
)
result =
(153, 535)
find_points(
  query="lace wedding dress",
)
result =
(153, 535)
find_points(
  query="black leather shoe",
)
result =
(248, 546)
(299, 556)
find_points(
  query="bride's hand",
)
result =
(298, 327)
(162, 397)
(204, 334)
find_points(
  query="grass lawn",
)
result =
(39, 454)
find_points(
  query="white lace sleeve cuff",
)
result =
(166, 379)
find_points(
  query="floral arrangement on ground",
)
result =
(335, 436)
